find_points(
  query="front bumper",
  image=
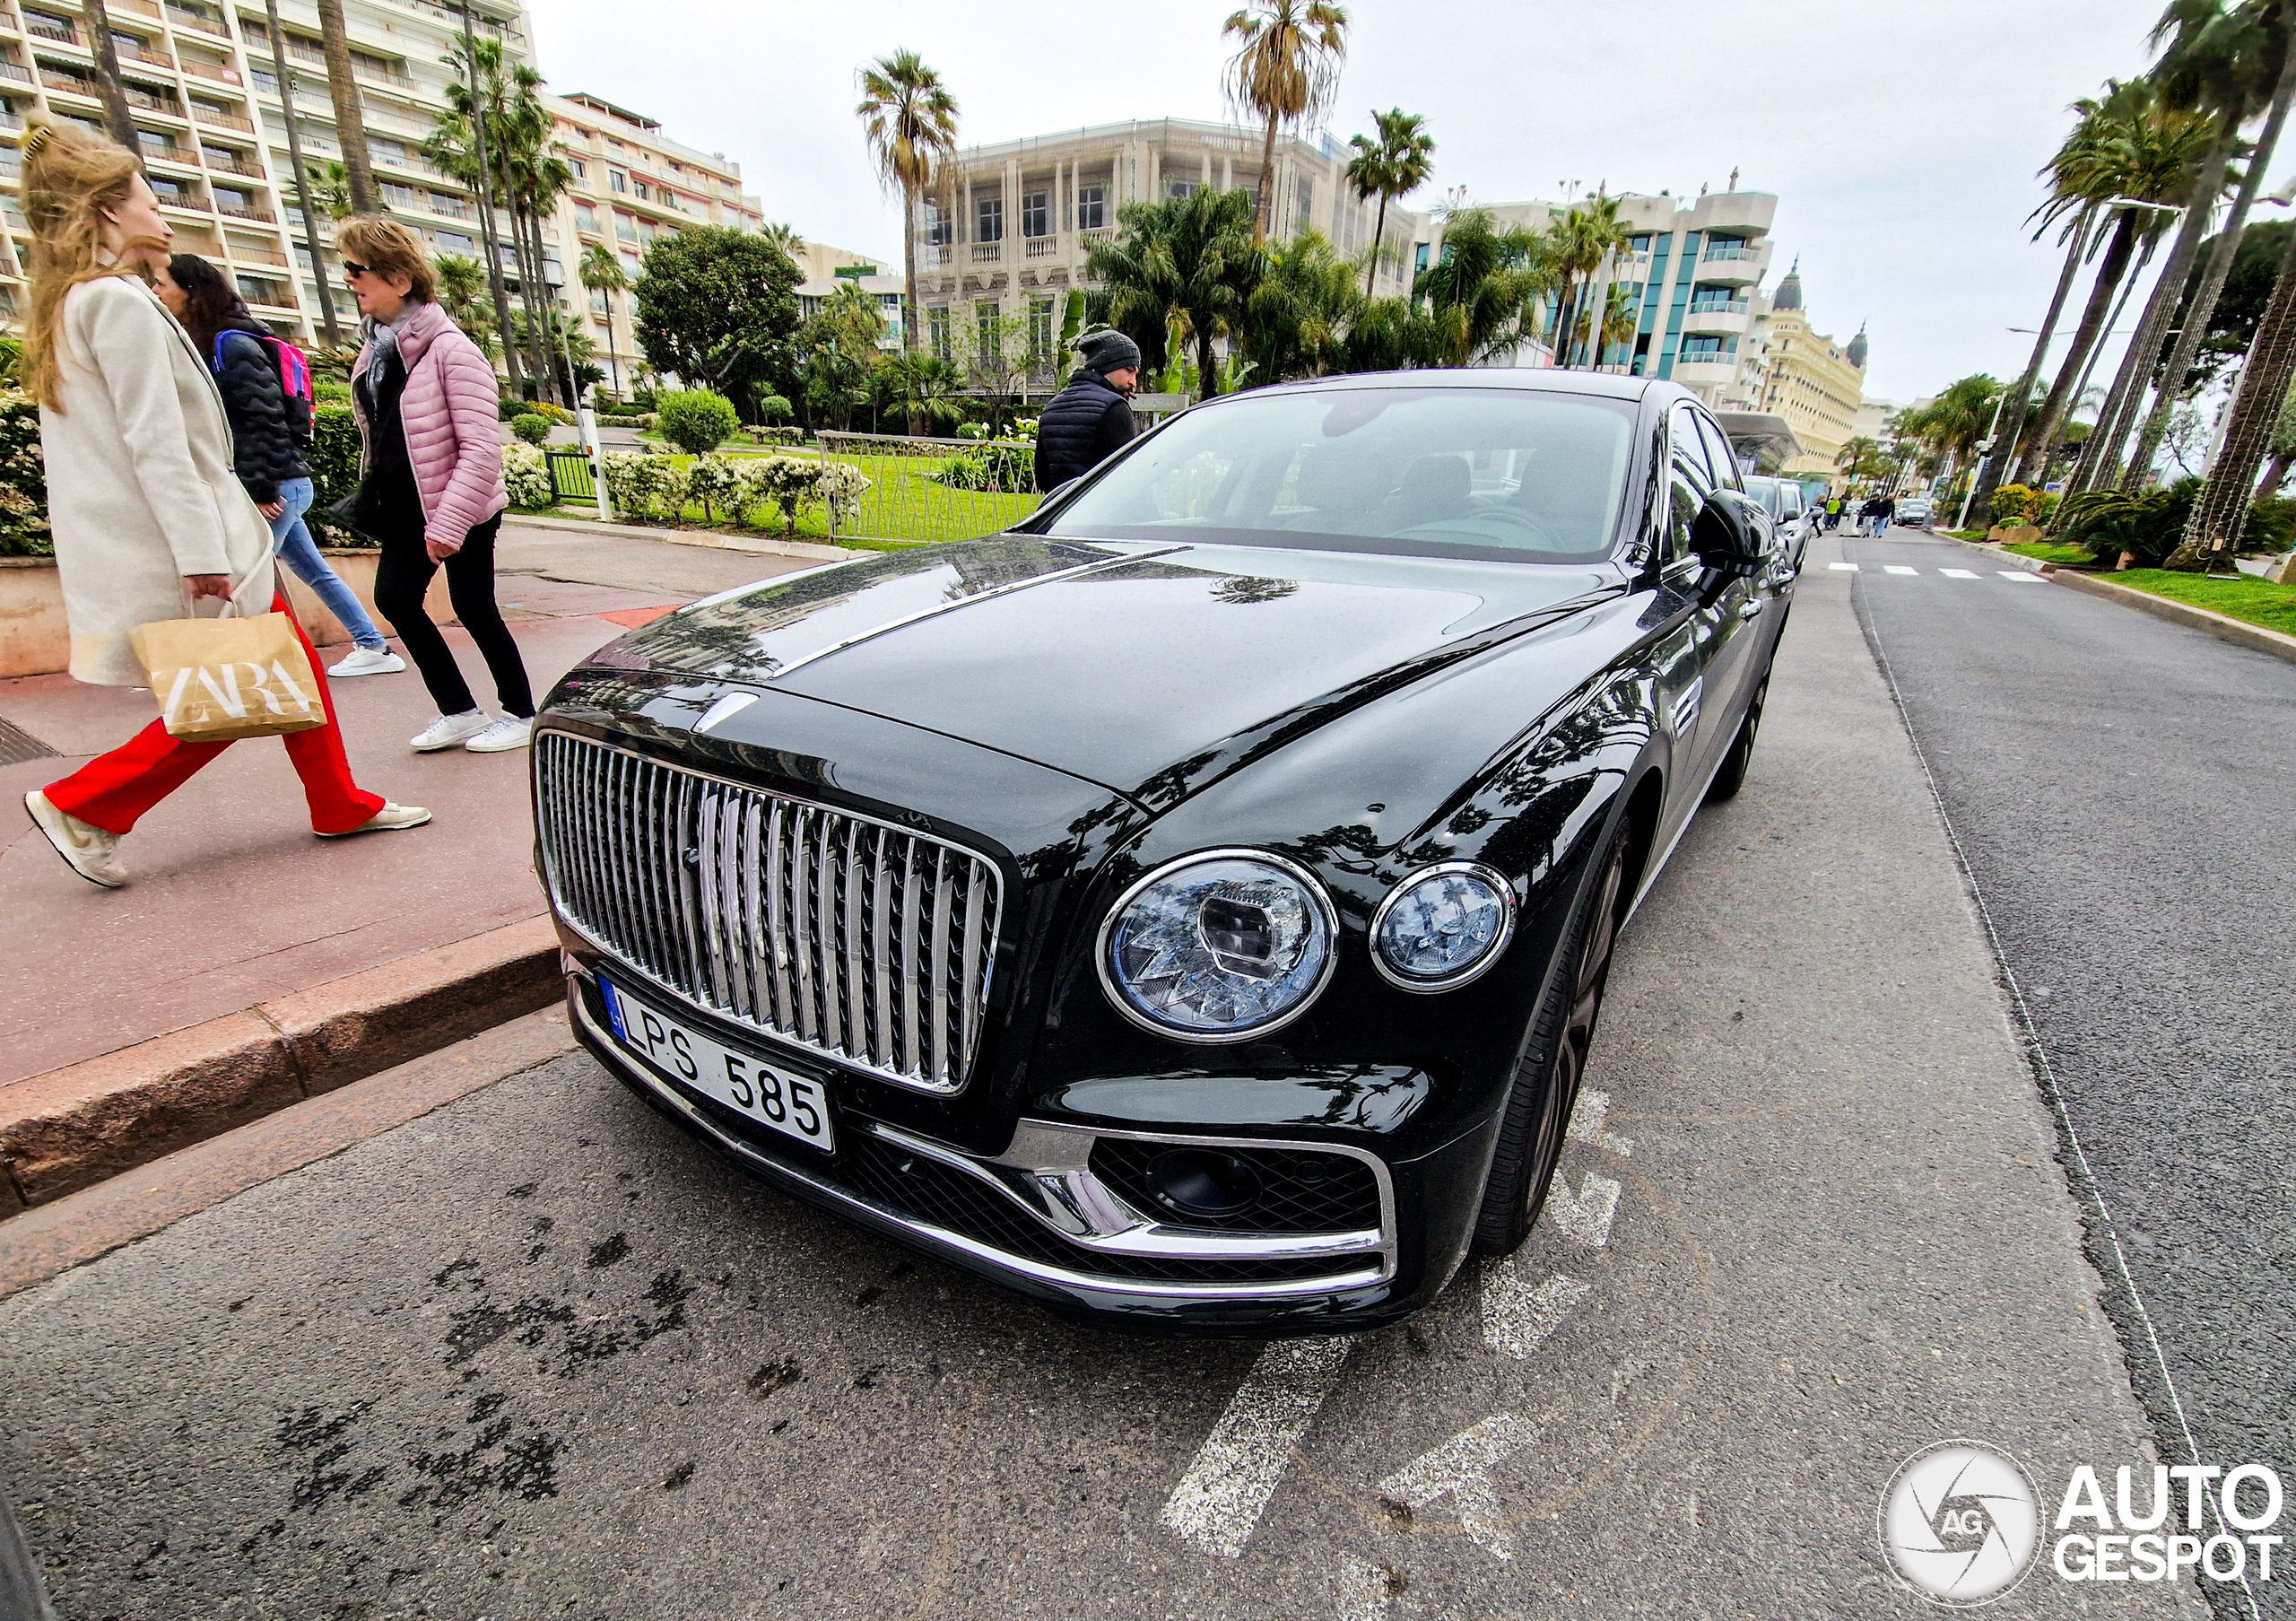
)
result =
(1039, 1219)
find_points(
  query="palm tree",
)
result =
(1620, 319)
(2232, 62)
(599, 270)
(350, 120)
(1297, 319)
(462, 294)
(1284, 73)
(1577, 248)
(1484, 293)
(910, 120)
(785, 237)
(2125, 145)
(1396, 164)
(2221, 511)
(331, 187)
(1191, 261)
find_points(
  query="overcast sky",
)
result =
(1901, 140)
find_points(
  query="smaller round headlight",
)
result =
(1442, 925)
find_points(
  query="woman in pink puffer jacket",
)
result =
(431, 485)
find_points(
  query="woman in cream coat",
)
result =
(148, 515)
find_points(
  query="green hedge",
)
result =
(23, 479)
(333, 456)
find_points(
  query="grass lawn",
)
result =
(2042, 551)
(2246, 598)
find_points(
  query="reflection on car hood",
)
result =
(1114, 661)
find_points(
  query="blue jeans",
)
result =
(292, 543)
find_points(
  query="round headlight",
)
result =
(1219, 947)
(1443, 925)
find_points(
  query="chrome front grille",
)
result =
(859, 940)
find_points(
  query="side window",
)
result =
(1689, 482)
(1719, 452)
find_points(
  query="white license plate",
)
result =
(788, 1104)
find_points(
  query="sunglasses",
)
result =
(352, 271)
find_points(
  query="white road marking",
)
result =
(1584, 1218)
(1218, 1502)
(1516, 1316)
(1587, 1118)
(1847, 568)
(1958, 573)
(1364, 1590)
(1898, 567)
(2019, 575)
(1460, 1469)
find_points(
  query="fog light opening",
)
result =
(1201, 1181)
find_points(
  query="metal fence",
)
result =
(933, 489)
(571, 477)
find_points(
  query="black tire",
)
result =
(1546, 1080)
(1732, 777)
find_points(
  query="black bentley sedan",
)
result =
(1191, 907)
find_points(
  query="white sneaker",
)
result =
(446, 731)
(93, 853)
(389, 819)
(508, 732)
(369, 661)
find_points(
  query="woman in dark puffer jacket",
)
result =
(266, 451)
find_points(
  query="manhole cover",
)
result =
(18, 746)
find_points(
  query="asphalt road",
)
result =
(534, 1355)
(2124, 791)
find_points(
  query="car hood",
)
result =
(1135, 667)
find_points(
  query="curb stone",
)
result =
(79, 1124)
(719, 539)
(2223, 626)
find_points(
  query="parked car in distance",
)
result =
(1193, 907)
(1914, 511)
(1783, 499)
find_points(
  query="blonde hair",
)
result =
(71, 176)
(388, 248)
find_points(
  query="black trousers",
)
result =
(404, 575)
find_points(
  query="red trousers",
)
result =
(112, 791)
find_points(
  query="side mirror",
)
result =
(1732, 534)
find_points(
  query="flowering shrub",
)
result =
(23, 479)
(842, 486)
(719, 485)
(1008, 469)
(527, 471)
(794, 482)
(644, 486)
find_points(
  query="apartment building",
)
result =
(1008, 235)
(827, 268)
(632, 183)
(1816, 385)
(199, 80)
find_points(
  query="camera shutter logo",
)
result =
(1960, 1524)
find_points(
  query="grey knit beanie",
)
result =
(1107, 351)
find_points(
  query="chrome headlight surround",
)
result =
(1325, 916)
(1488, 878)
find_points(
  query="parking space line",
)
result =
(1583, 1218)
(1218, 1502)
(1460, 1469)
(1847, 568)
(1898, 567)
(2019, 575)
(1516, 1316)
(1958, 573)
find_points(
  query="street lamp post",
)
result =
(1961, 519)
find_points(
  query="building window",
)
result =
(455, 242)
(631, 264)
(937, 330)
(1091, 208)
(265, 79)
(581, 173)
(1179, 190)
(988, 333)
(644, 194)
(1039, 331)
(166, 190)
(1036, 215)
(1307, 208)
(936, 224)
(625, 227)
(988, 219)
(388, 150)
(617, 181)
(586, 217)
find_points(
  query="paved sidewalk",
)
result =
(234, 902)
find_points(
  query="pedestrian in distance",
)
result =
(1886, 514)
(1090, 419)
(430, 488)
(271, 431)
(149, 518)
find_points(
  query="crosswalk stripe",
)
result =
(1850, 568)
(2019, 575)
(1958, 574)
(1898, 567)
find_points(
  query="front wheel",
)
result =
(1732, 777)
(1546, 1080)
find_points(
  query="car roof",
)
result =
(1547, 379)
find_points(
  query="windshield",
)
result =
(1509, 473)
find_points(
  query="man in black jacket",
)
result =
(1090, 419)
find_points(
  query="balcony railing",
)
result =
(70, 83)
(210, 70)
(10, 70)
(206, 25)
(1043, 248)
(1731, 250)
(1707, 357)
(237, 167)
(218, 119)
(149, 102)
(261, 216)
(1719, 306)
(41, 28)
(9, 120)
(988, 253)
(142, 8)
(255, 256)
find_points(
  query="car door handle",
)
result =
(1750, 607)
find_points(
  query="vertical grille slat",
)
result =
(862, 941)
